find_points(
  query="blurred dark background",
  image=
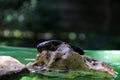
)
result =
(91, 24)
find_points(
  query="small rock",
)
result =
(10, 66)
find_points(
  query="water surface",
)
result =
(25, 55)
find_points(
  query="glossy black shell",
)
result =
(53, 45)
(49, 45)
(77, 49)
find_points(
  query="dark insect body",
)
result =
(52, 45)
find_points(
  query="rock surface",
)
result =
(9, 66)
(67, 63)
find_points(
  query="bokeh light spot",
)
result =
(21, 18)
(82, 36)
(9, 18)
(17, 33)
(48, 35)
(6, 33)
(72, 36)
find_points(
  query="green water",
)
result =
(25, 55)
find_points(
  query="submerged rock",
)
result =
(65, 62)
(10, 66)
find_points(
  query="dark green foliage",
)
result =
(99, 18)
